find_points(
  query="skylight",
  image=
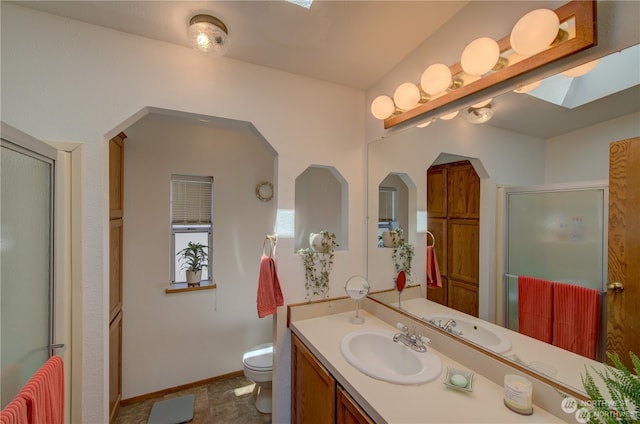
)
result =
(614, 73)
(304, 3)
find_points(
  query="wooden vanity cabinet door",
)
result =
(313, 389)
(348, 411)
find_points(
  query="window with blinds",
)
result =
(191, 219)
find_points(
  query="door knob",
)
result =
(616, 287)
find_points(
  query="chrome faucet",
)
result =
(414, 341)
(448, 325)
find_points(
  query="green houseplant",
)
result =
(318, 265)
(402, 252)
(194, 258)
(624, 392)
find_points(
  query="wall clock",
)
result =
(264, 191)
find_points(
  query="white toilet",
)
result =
(258, 363)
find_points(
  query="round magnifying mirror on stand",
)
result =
(357, 287)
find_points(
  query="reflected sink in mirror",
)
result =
(374, 353)
(474, 331)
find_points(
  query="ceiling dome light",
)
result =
(436, 79)
(449, 116)
(535, 31)
(406, 96)
(424, 124)
(481, 56)
(581, 70)
(529, 87)
(479, 115)
(209, 34)
(382, 107)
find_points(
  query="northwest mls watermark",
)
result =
(583, 410)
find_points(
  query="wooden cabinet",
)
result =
(453, 217)
(116, 215)
(348, 411)
(315, 395)
(313, 389)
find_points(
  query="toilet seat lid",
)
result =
(259, 358)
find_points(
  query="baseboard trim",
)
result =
(159, 393)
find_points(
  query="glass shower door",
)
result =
(26, 216)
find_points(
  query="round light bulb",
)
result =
(406, 96)
(382, 107)
(449, 116)
(436, 79)
(529, 87)
(535, 31)
(480, 56)
(581, 70)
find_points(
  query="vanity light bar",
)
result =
(584, 14)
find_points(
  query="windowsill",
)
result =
(182, 287)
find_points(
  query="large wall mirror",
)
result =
(558, 133)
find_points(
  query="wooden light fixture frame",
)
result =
(584, 13)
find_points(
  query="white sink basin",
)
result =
(374, 353)
(475, 332)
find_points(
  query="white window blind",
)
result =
(191, 200)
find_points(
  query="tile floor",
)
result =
(225, 401)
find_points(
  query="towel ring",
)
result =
(433, 239)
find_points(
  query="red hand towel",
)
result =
(269, 293)
(15, 412)
(44, 393)
(535, 308)
(576, 321)
(433, 271)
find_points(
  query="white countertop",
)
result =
(432, 402)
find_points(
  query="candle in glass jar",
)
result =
(518, 393)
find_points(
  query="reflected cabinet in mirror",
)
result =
(557, 138)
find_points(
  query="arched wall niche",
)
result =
(321, 194)
(395, 193)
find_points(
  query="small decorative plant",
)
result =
(624, 389)
(318, 265)
(194, 257)
(402, 252)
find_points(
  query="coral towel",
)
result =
(576, 318)
(433, 271)
(15, 412)
(535, 308)
(41, 400)
(269, 293)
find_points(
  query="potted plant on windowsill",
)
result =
(195, 257)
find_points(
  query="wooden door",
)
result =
(348, 411)
(313, 389)
(623, 322)
(453, 212)
(116, 216)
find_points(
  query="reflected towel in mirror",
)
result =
(535, 308)
(576, 311)
(433, 271)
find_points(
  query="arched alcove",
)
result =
(321, 204)
(394, 198)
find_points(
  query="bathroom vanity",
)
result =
(326, 388)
